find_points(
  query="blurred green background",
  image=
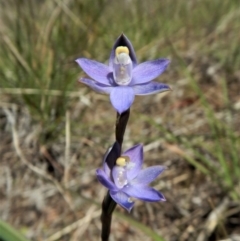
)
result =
(54, 130)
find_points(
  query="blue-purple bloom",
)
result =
(127, 180)
(123, 78)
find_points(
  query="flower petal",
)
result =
(121, 98)
(122, 199)
(107, 170)
(105, 181)
(123, 41)
(147, 71)
(100, 88)
(143, 193)
(98, 71)
(147, 175)
(136, 159)
(150, 88)
(111, 156)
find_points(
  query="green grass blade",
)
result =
(8, 233)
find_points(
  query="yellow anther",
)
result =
(122, 161)
(121, 49)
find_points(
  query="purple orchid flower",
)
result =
(123, 78)
(127, 179)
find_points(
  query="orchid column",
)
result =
(122, 79)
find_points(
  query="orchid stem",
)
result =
(108, 207)
(108, 204)
(121, 123)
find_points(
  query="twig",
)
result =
(213, 220)
(9, 183)
(68, 229)
(33, 168)
(233, 237)
(20, 91)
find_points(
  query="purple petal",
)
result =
(150, 88)
(143, 193)
(100, 88)
(147, 71)
(122, 199)
(123, 41)
(136, 159)
(105, 181)
(106, 170)
(147, 175)
(111, 156)
(121, 98)
(98, 71)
